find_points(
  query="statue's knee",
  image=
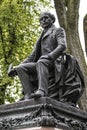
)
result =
(40, 62)
(43, 62)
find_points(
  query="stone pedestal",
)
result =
(41, 114)
(41, 128)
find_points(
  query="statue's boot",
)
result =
(25, 97)
(11, 71)
(39, 93)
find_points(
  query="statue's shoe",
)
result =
(26, 97)
(11, 71)
(10, 67)
(38, 94)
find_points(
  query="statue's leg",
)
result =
(42, 73)
(42, 68)
(24, 71)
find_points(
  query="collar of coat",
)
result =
(49, 31)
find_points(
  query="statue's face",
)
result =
(45, 21)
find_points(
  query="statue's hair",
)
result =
(50, 15)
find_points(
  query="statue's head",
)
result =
(46, 19)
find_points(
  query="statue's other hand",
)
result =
(45, 57)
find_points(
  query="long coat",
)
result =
(55, 38)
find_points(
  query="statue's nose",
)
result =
(44, 19)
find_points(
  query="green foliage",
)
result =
(19, 30)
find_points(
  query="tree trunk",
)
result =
(68, 14)
(85, 32)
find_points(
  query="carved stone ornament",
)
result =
(42, 112)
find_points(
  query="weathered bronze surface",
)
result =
(49, 71)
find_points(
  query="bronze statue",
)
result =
(49, 71)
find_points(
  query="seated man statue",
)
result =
(49, 71)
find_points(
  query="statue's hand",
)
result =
(46, 60)
(45, 57)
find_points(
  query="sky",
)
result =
(82, 13)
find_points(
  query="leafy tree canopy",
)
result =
(19, 30)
